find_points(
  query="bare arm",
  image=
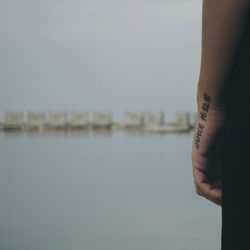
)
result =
(223, 22)
(222, 26)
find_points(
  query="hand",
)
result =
(206, 154)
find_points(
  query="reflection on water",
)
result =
(102, 191)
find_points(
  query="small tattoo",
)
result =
(206, 97)
(205, 107)
(200, 130)
(203, 117)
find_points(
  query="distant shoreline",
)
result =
(153, 122)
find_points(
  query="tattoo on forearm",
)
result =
(203, 117)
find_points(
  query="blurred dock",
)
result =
(35, 121)
(78, 120)
(133, 120)
(57, 121)
(102, 120)
(153, 122)
(13, 121)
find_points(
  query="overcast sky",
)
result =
(92, 55)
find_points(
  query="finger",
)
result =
(218, 201)
(208, 197)
(205, 188)
(210, 192)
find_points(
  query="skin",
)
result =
(223, 23)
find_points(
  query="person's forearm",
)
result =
(222, 26)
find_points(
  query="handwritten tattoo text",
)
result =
(203, 117)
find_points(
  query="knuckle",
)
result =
(198, 191)
(197, 188)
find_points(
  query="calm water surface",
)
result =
(102, 191)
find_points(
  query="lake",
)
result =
(102, 191)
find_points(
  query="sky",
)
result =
(99, 55)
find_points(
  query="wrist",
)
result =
(208, 128)
(210, 103)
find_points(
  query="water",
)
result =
(102, 192)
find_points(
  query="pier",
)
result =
(13, 121)
(35, 121)
(57, 121)
(133, 120)
(102, 120)
(78, 120)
